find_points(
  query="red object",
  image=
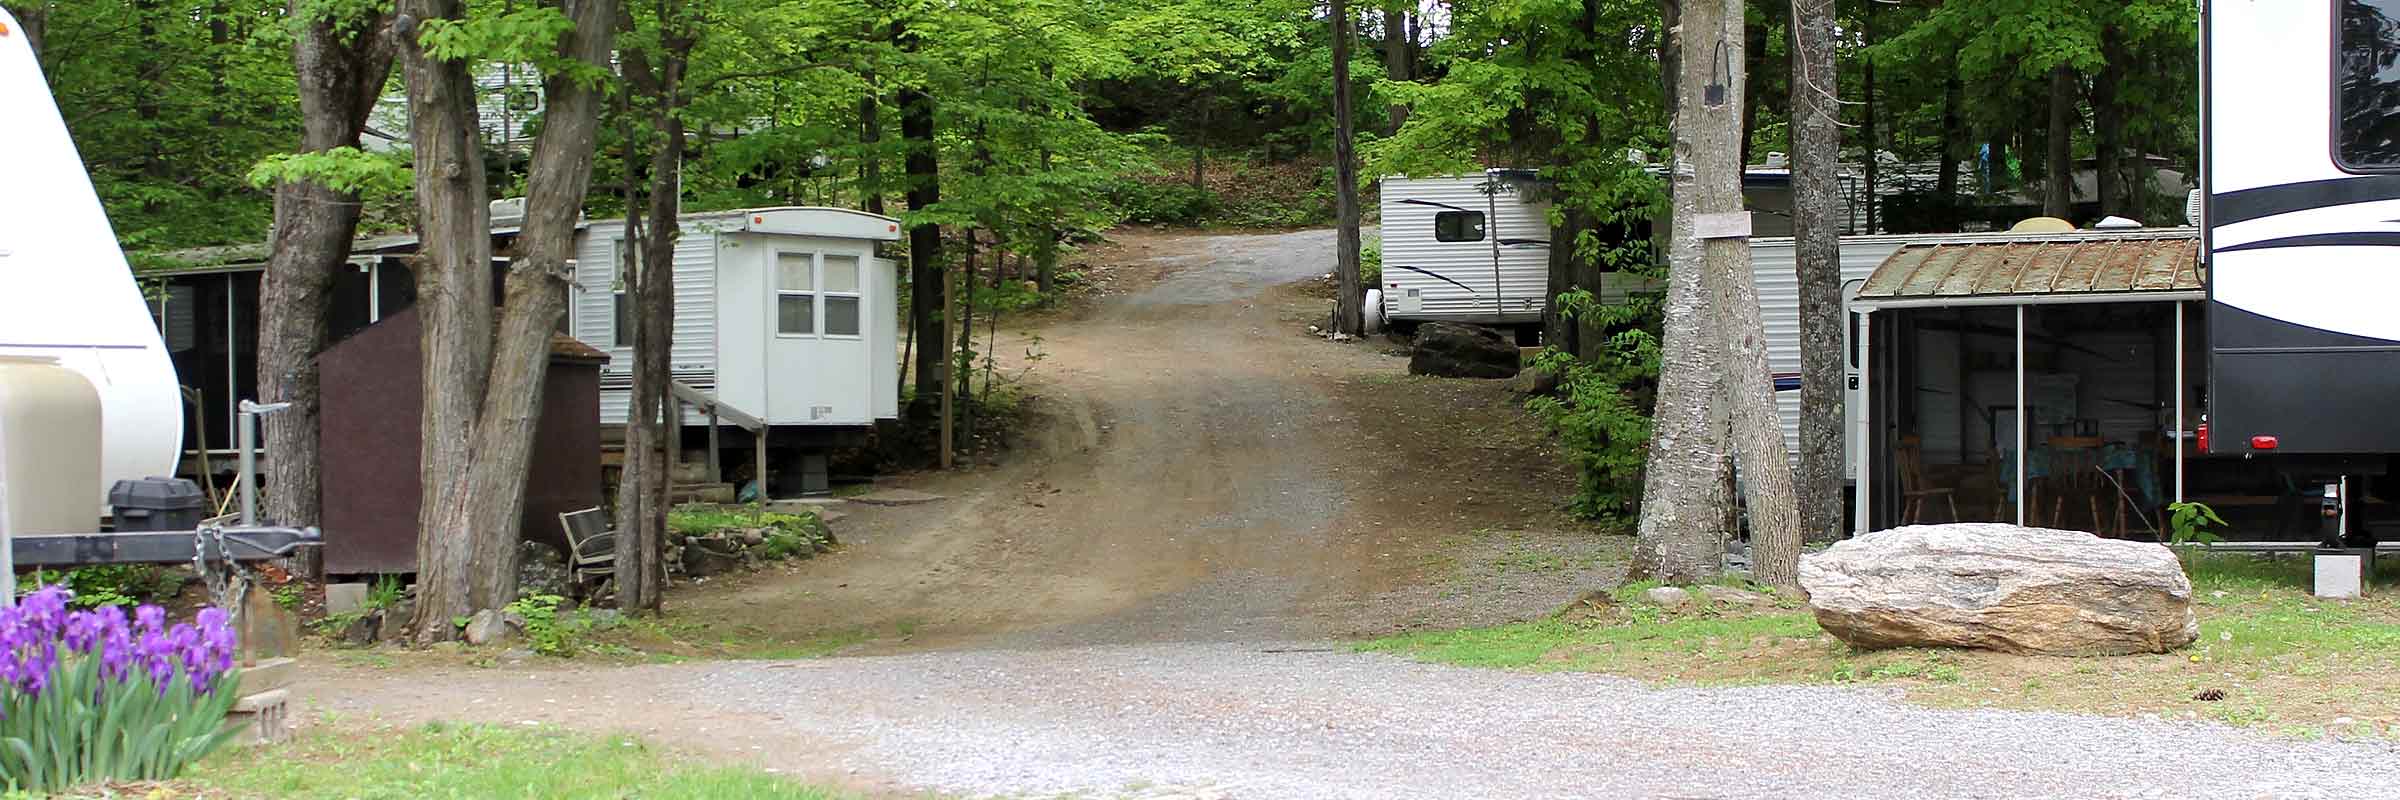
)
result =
(2263, 442)
(758, 220)
(2203, 437)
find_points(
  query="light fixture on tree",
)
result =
(1720, 74)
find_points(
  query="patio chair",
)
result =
(1909, 460)
(591, 546)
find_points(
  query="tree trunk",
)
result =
(924, 244)
(870, 139)
(2058, 182)
(1397, 49)
(643, 405)
(1678, 541)
(1874, 143)
(1817, 232)
(342, 65)
(483, 390)
(1348, 314)
(1954, 146)
(2108, 129)
(33, 18)
(641, 535)
(1200, 147)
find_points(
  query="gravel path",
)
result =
(1219, 720)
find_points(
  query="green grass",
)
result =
(478, 761)
(2270, 655)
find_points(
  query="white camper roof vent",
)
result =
(508, 211)
(2116, 223)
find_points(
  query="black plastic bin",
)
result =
(158, 504)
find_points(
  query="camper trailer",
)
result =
(66, 294)
(2300, 154)
(1465, 248)
(788, 315)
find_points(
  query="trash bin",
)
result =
(158, 504)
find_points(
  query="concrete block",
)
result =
(256, 701)
(2341, 574)
(344, 598)
(269, 675)
(262, 718)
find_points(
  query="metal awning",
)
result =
(2113, 267)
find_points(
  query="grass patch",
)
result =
(439, 760)
(2269, 654)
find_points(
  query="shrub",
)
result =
(107, 584)
(88, 695)
(1163, 203)
(1602, 411)
(1370, 262)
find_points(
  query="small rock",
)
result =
(488, 627)
(364, 631)
(1732, 596)
(1343, 338)
(541, 569)
(343, 598)
(1534, 380)
(1667, 597)
(516, 655)
(1315, 329)
(754, 536)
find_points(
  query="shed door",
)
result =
(816, 350)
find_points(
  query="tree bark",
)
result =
(1954, 146)
(483, 389)
(1874, 143)
(1348, 314)
(924, 243)
(33, 17)
(641, 533)
(2058, 184)
(1398, 47)
(341, 65)
(1816, 176)
(1678, 541)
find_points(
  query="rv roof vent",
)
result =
(508, 210)
(2191, 208)
(2116, 223)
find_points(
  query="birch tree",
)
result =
(484, 368)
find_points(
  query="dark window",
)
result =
(1854, 340)
(2366, 131)
(1458, 226)
(623, 319)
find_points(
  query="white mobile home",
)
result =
(784, 314)
(1465, 248)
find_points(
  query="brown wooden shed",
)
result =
(373, 400)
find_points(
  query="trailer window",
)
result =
(795, 293)
(2366, 129)
(1464, 226)
(841, 295)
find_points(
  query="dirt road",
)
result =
(1204, 471)
(1138, 604)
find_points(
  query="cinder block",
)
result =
(344, 598)
(262, 718)
(2341, 575)
(269, 675)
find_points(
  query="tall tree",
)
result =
(1678, 535)
(1399, 51)
(655, 66)
(483, 379)
(343, 54)
(1347, 312)
(2058, 164)
(1816, 175)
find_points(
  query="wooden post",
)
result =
(759, 467)
(716, 462)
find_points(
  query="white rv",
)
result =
(1465, 248)
(66, 293)
(785, 314)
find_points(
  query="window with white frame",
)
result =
(795, 294)
(840, 289)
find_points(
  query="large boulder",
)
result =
(2001, 587)
(1452, 350)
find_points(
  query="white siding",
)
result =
(694, 357)
(1772, 269)
(1469, 293)
(883, 300)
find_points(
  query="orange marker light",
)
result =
(3, 29)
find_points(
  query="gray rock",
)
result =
(540, 570)
(2001, 587)
(1343, 338)
(1728, 595)
(1452, 350)
(1667, 597)
(702, 560)
(488, 627)
(364, 631)
(754, 537)
(1534, 380)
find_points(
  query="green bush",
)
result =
(109, 584)
(1370, 262)
(1163, 203)
(1601, 413)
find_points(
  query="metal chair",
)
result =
(591, 546)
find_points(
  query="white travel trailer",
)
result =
(787, 315)
(66, 293)
(1465, 248)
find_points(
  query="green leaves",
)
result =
(346, 169)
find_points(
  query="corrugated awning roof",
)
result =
(2123, 267)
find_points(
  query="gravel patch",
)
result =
(1314, 721)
